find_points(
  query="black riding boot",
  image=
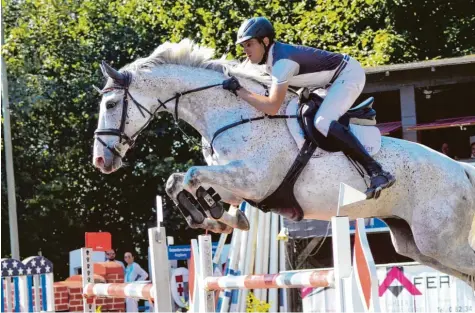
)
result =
(351, 146)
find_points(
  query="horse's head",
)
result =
(125, 110)
(129, 99)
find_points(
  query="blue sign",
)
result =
(183, 252)
(372, 225)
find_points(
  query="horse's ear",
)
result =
(103, 70)
(109, 71)
(97, 89)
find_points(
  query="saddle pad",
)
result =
(369, 136)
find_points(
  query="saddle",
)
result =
(282, 201)
(309, 103)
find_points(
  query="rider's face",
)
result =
(254, 50)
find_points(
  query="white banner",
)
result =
(405, 288)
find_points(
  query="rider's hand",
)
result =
(231, 84)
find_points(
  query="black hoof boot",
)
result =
(190, 208)
(379, 181)
(209, 201)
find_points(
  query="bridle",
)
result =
(124, 139)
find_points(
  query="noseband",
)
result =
(124, 139)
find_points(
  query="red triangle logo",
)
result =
(396, 274)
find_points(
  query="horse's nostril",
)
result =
(100, 161)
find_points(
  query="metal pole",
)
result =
(12, 216)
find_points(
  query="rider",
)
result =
(302, 66)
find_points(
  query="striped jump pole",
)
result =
(120, 290)
(297, 279)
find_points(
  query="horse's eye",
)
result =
(110, 104)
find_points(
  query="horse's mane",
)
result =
(187, 53)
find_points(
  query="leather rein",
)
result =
(124, 139)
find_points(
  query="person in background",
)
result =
(472, 151)
(133, 273)
(111, 258)
(446, 150)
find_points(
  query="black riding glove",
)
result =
(232, 84)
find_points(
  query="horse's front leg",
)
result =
(241, 178)
(196, 217)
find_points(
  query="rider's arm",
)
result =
(269, 105)
(282, 71)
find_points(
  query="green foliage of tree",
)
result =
(53, 50)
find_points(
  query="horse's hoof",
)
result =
(189, 207)
(225, 229)
(242, 221)
(211, 225)
(216, 227)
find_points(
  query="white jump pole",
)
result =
(361, 289)
(265, 264)
(206, 298)
(87, 269)
(232, 267)
(248, 240)
(24, 294)
(218, 252)
(241, 259)
(274, 260)
(250, 256)
(260, 252)
(341, 257)
(160, 265)
(282, 267)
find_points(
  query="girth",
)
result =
(282, 201)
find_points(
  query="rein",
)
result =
(244, 121)
(130, 140)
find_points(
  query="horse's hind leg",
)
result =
(445, 236)
(196, 218)
(404, 244)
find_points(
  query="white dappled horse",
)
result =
(430, 210)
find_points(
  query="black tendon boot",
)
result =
(351, 146)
